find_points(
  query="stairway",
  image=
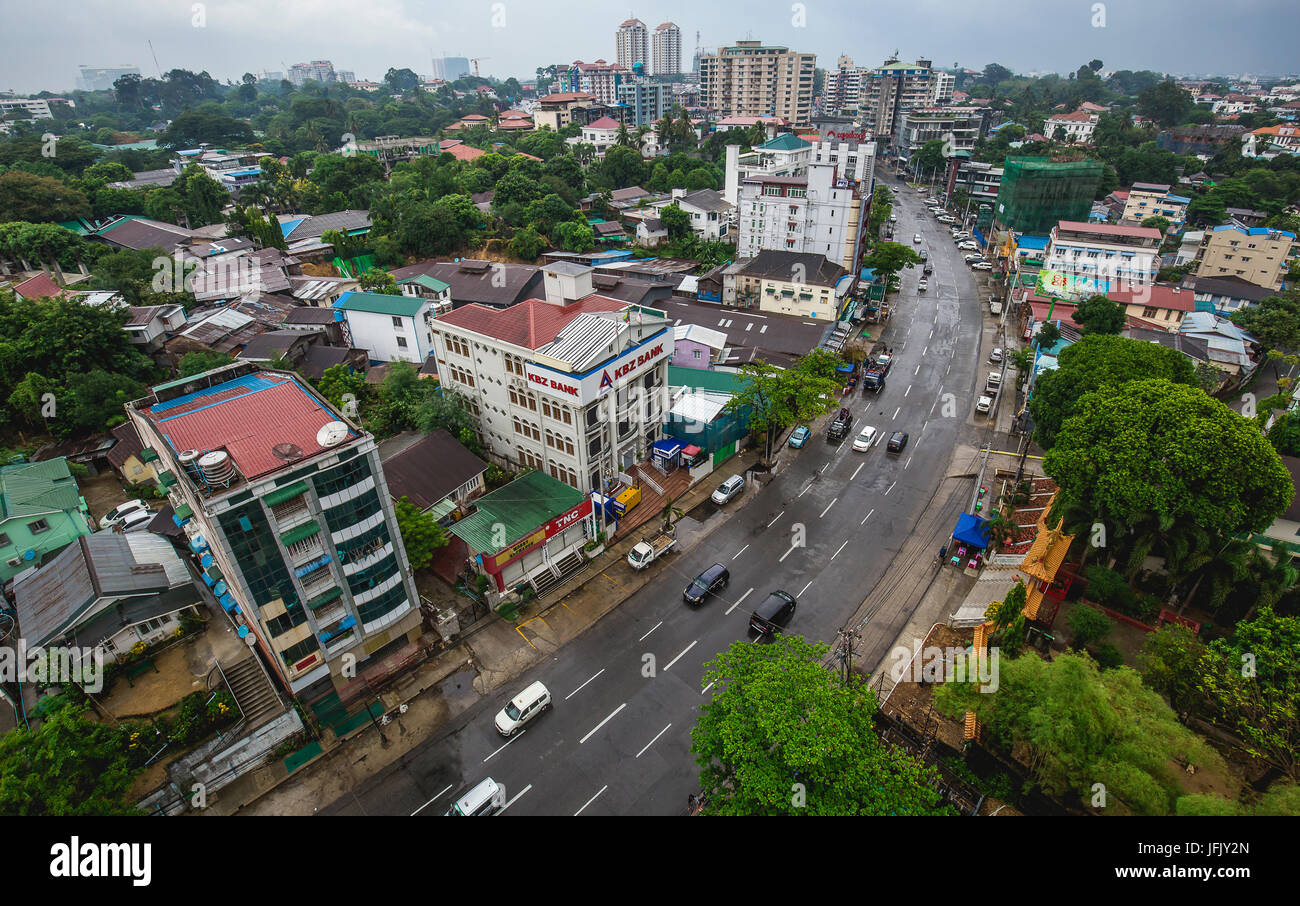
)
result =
(247, 682)
(544, 582)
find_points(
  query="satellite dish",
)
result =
(332, 434)
(29, 554)
(287, 452)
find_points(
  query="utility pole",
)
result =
(844, 651)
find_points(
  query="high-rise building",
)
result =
(450, 68)
(891, 89)
(944, 83)
(647, 102)
(319, 70)
(959, 128)
(345, 75)
(1036, 193)
(96, 78)
(842, 92)
(753, 79)
(666, 55)
(285, 505)
(632, 43)
(599, 78)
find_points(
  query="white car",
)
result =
(916, 239)
(893, 218)
(995, 357)
(865, 438)
(534, 700)
(118, 514)
(922, 285)
(968, 245)
(981, 266)
(136, 520)
(984, 405)
(729, 490)
(971, 259)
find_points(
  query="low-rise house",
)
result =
(695, 346)
(435, 472)
(389, 328)
(1229, 345)
(609, 231)
(711, 214)
(150, 325)
(792, 283)
(474, 282)
(1224, 295)
(650, 231)
(127, 456)
(601, 134)
(42, 286)
(307, 227)
(1073, 128)
(1155, 200)
(423, 286)
(1259, 255)
(108, 591)
(41, 511)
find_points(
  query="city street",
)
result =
(626, 693)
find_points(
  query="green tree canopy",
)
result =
(39, 199)
(199, 362)
(1275, 321)
(421, 533)
(779, 724)
(1099, 314)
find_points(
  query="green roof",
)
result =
(703, 379)
(520, 507)
(294, 535)
(427, 282)
(33, 488)
(381, 304)
(787, 141)
(288, 492)
(325, 598)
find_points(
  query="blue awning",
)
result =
(972, 530)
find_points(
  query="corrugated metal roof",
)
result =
(32, 488)
(381, 304)
(521, 507)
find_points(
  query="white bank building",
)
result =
(574, 385)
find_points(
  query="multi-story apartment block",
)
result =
(1112, 257)
(977, 179)
(1258, 255)
(791, 283)
(1147, 199)
(891, 89)
(96, 78)
(557, 110)
(666, 50)
(632, 44)
(819, 213)
(389, 328)
(752, 79)
(599, 78)
(31, 108)
(944, 83)
(1074, 128)
(842, 92)
(959, 128)
(785, 155)
(284, 503)
(320, 70)
(647, 102)
(573, 385)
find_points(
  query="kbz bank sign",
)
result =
(581, 389)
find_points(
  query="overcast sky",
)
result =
(47, 41)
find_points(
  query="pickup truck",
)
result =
(644, 552)
(839, 428)
(873, 378)
(995, 307)
(993, 383)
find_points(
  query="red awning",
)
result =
(691, 451)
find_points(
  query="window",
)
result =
(397, 322)
(37, 527)
(4, 539)
(458, 346)
(401, 342)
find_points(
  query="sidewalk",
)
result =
(449, 683)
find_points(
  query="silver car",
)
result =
(729, 490)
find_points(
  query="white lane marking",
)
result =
(828, 508)
(924, 351)
(706, 688)
(898, 410)
(891, 487)
(904, 345)
(856, 471)
(866, 517)
(749, 325)
(651, 742)
(908, 390)
(763, 329)
(602, 670)
(908, 463)
(431, 801)
(837, 553)
(683, 654)
(805, 490)
(516, 799)
(917, 371)
(787, 553)
(778, 516)
(737, 604)
(591, 800)
(805, 588)
(602, 723)
(931, 336)
(741, 551)
(652, 629)
(512, 739)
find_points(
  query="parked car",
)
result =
(995, 357)
(864, 439)
(136, 521)
(916, 239)
(799, 436)
(729, 490)
(897, 441)
(968, 245)
(981, 266)
(921, 285)
(119, 513)
(928, 269)
(534, 700)
(971, 259)
(710, 582)
(985, 403)
(773, 614)
(488, 798)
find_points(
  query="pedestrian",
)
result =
(690, 802)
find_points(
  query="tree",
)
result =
(377, 281)
(199, 362)
(193, 128)
(1099, 314)
(399, 81)
(1022, 359)
(930, 157)
(1170, 662)
(70, 766)
(1275, 321)
(995, 73)
(98, 399)
(676, 221)
(517, 189)
(421, 533)
(39, 199)
(1157, 223)
(343, 387)
(778, 718)
(623, 167)
(1087, 625)
(447, 410)
(1096, 362)
(1164, 103)
(773, 398)
(888, 258)
(1165, 452)
(575, 237)
(527, 244)
(1080, 726)
(1048, 335)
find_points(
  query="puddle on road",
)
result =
(458, 690)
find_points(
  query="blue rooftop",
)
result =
(1032, 243)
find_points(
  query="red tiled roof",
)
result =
(1078, 116)
(474, 117)
(247, 418)
(566, 96)
(605, 122)
(462, 151)
(39, 287)
(1155, 296)
(531, 323)
(1109, 229)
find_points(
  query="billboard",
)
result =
(1068, 287)
(583, 388)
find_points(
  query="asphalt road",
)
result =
(627, 692)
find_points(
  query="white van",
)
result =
(488, 798)
(523, 708)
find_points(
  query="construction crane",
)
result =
(475, 60)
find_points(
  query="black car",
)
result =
(840, 427)
(897, 441)
(712, 581)
(928, 269)
(773, 615)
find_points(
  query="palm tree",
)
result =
(623, 138)
(1224, 569)
(1275, 576)
(671, 513)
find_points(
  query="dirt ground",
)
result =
(103, 492)
(1128, 639)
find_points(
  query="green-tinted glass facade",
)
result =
(1036, 193)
